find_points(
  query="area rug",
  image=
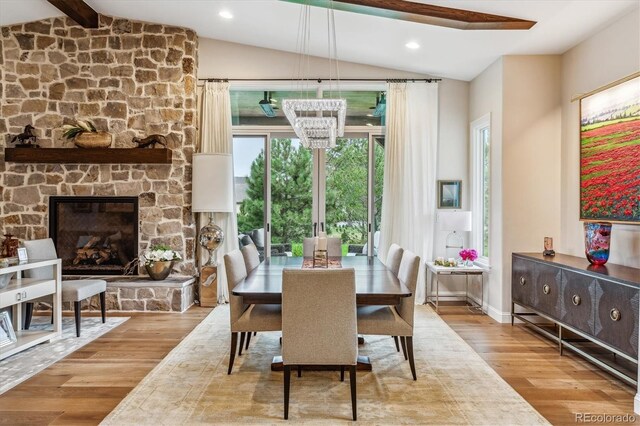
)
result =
(21, 366)
(454, 386)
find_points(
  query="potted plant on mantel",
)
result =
(85, 135)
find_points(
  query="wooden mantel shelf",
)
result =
(88, 155)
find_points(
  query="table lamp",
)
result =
(454, 221)
(212, 192)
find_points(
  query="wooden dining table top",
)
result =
(375, 284)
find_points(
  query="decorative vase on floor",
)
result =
(159, 270)
(597, 236)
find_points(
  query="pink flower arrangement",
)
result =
(468, 254)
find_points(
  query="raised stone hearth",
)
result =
(141, 294)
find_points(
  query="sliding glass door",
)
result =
(291, 196)
(285, 192)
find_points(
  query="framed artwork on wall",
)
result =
(610, 153)
(449, 194)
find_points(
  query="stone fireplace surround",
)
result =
(131, 79)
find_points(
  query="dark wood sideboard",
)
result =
(572, 302)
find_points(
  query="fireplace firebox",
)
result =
(94, 235)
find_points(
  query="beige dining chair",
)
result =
(334, 247)
(319, 323)
(246, 319)
(251, 257)
(251, 262)
(395, 320)
(72, 290)
(394, 257)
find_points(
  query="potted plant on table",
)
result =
(85, 135)
(158, 261)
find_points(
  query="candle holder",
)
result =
(320, 259)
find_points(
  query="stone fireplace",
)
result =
(131, 79)
(94, 235)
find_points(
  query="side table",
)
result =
(436, 270)
(209, 286)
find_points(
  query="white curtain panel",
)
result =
(411, 152)
(216, 136)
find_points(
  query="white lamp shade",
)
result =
(212, 185)
(455, 221)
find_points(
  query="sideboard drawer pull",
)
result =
(523, 281)
(546, 289)
(615, 314)
(576, 299)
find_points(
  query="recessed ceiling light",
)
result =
(369, 124)
(225, 14)
(412, 45)
(369, 115)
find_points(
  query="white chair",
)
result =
(246, 319)
(72, 290)
(334, 247)
(319, 323)
(251, 257)
(395, 320)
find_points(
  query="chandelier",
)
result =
(316, 121)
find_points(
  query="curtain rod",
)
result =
(320, 80)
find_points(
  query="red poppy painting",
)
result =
(610, 154)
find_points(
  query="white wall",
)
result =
(531, 141)
(607, 56)
(221, 59)
(485, 97)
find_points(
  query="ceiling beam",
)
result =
(79, 11)
(424, 13)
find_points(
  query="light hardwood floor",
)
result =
(557, 386)
(84, 387)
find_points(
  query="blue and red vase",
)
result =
(597, 238)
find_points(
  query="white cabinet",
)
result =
(21, 290)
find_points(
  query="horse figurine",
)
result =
(25, 139)
(150, 141)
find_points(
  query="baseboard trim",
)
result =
(499, 316)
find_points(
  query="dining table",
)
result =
(375, 285)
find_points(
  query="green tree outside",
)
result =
(291, 191)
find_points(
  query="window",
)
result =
(481, 185)
(286, 192)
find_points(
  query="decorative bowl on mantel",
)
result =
(93, 140)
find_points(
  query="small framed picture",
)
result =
(22, 255)
(449, 194)
(7, 335)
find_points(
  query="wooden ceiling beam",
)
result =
(424, 13)
(79, 11)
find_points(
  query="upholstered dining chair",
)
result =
(395, 320)
(394, 257)
(319, 323)
(72, 290)
(334, 247)
(251, 257)
(246, 319)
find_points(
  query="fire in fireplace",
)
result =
(94, 235)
